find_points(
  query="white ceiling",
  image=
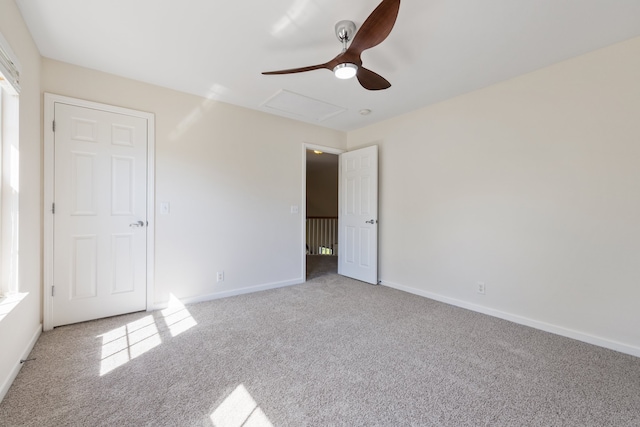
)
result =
(217, 49)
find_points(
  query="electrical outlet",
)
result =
(220, 276)
(481, 288)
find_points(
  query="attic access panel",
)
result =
(303, 106)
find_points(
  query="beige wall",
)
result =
(21, 326)
(322, 187)
(531, 186)
(231, 176)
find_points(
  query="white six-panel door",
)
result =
(100, 218)
(358, 215)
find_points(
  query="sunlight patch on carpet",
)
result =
(127, 342)
(177, 317)
(134, 339)
(239, 409)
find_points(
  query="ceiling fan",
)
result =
(349, 63)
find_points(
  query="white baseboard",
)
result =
(232, 293)
(547, 327)
(14, 373)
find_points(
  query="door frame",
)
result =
(303, 210)
(49, 184)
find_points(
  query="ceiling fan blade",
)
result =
(376, 28)
(297, 70)
(371, 81)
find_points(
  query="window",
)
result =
(9, 169)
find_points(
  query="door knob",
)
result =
(137, 224)
(371, 222)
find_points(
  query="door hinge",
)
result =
(53, 208)
(53, 291)
(53, 125)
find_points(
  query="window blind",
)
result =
(9, 67)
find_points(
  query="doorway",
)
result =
(321, 211)
(354, 249)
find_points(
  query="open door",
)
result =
(358, 215)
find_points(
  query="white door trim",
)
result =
(49, 104)
(303, 211)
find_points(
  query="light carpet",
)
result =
(332, 351)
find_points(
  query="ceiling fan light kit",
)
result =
(345, 71)
(348, 63)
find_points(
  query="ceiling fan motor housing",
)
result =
(345, 31)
